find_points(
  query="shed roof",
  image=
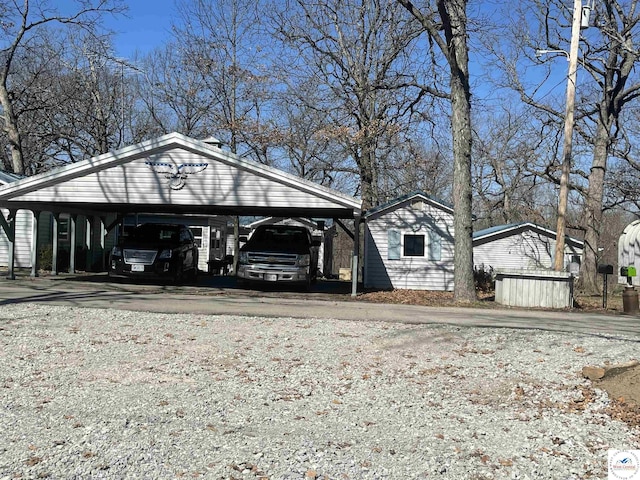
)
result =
(516, 228)
(397, 202)
(175, 174)
(8, 177)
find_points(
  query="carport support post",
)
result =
(89, 243)
(236, 244)
(103, 236)
(54, 247)
(34, 242)
(356, 254)
(9, 226)
(72, 246)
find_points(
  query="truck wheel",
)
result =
(178, 277)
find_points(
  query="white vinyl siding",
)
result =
(523, 250)
(24, 234)
(219, 184)
(386, 266)
(435, 246)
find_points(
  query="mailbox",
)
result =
(629, 271)
(606, 269)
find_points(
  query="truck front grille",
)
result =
(287, 259)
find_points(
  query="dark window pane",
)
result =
(414, 245)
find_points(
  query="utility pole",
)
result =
(568, 136)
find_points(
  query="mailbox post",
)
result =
(605, 270)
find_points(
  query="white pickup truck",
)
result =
(279, 253)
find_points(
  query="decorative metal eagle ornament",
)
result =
(176, 174)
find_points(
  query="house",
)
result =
(409, 244)
(521, 246)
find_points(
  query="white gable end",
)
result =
(177, 177)
(179, 172)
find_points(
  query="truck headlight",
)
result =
(243, 258)
(116, 251)
(303, 260)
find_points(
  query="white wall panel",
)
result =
(418, 273)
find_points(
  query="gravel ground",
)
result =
(89, 393)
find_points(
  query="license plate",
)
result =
(137, 268)
(271, 277)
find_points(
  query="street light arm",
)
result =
(541, 52)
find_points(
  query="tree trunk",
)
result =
(454, 18)
(593, 211)
(369, 198)
(464, 289)
(11, 129)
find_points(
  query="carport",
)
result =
(173, 174)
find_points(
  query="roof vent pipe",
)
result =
(213, 141)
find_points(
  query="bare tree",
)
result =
(608, 56)
(304, 139)
(445, 24)
(221, 40)
(358, 53)
(173, 97)
(611, 61)
(507, 186)
(18, 30)
(96, 102)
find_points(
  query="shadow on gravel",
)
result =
(71, 297)
(203, 285)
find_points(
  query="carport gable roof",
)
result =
(175, 174)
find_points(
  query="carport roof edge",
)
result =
(10, 193)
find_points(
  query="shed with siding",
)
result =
(409, 244)
(521, 246)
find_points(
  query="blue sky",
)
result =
(146, 25)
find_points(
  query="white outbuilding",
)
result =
(629, 251)
(521, 246)
(409, 244)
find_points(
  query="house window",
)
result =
(413, 246)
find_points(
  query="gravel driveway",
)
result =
(93, 393)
